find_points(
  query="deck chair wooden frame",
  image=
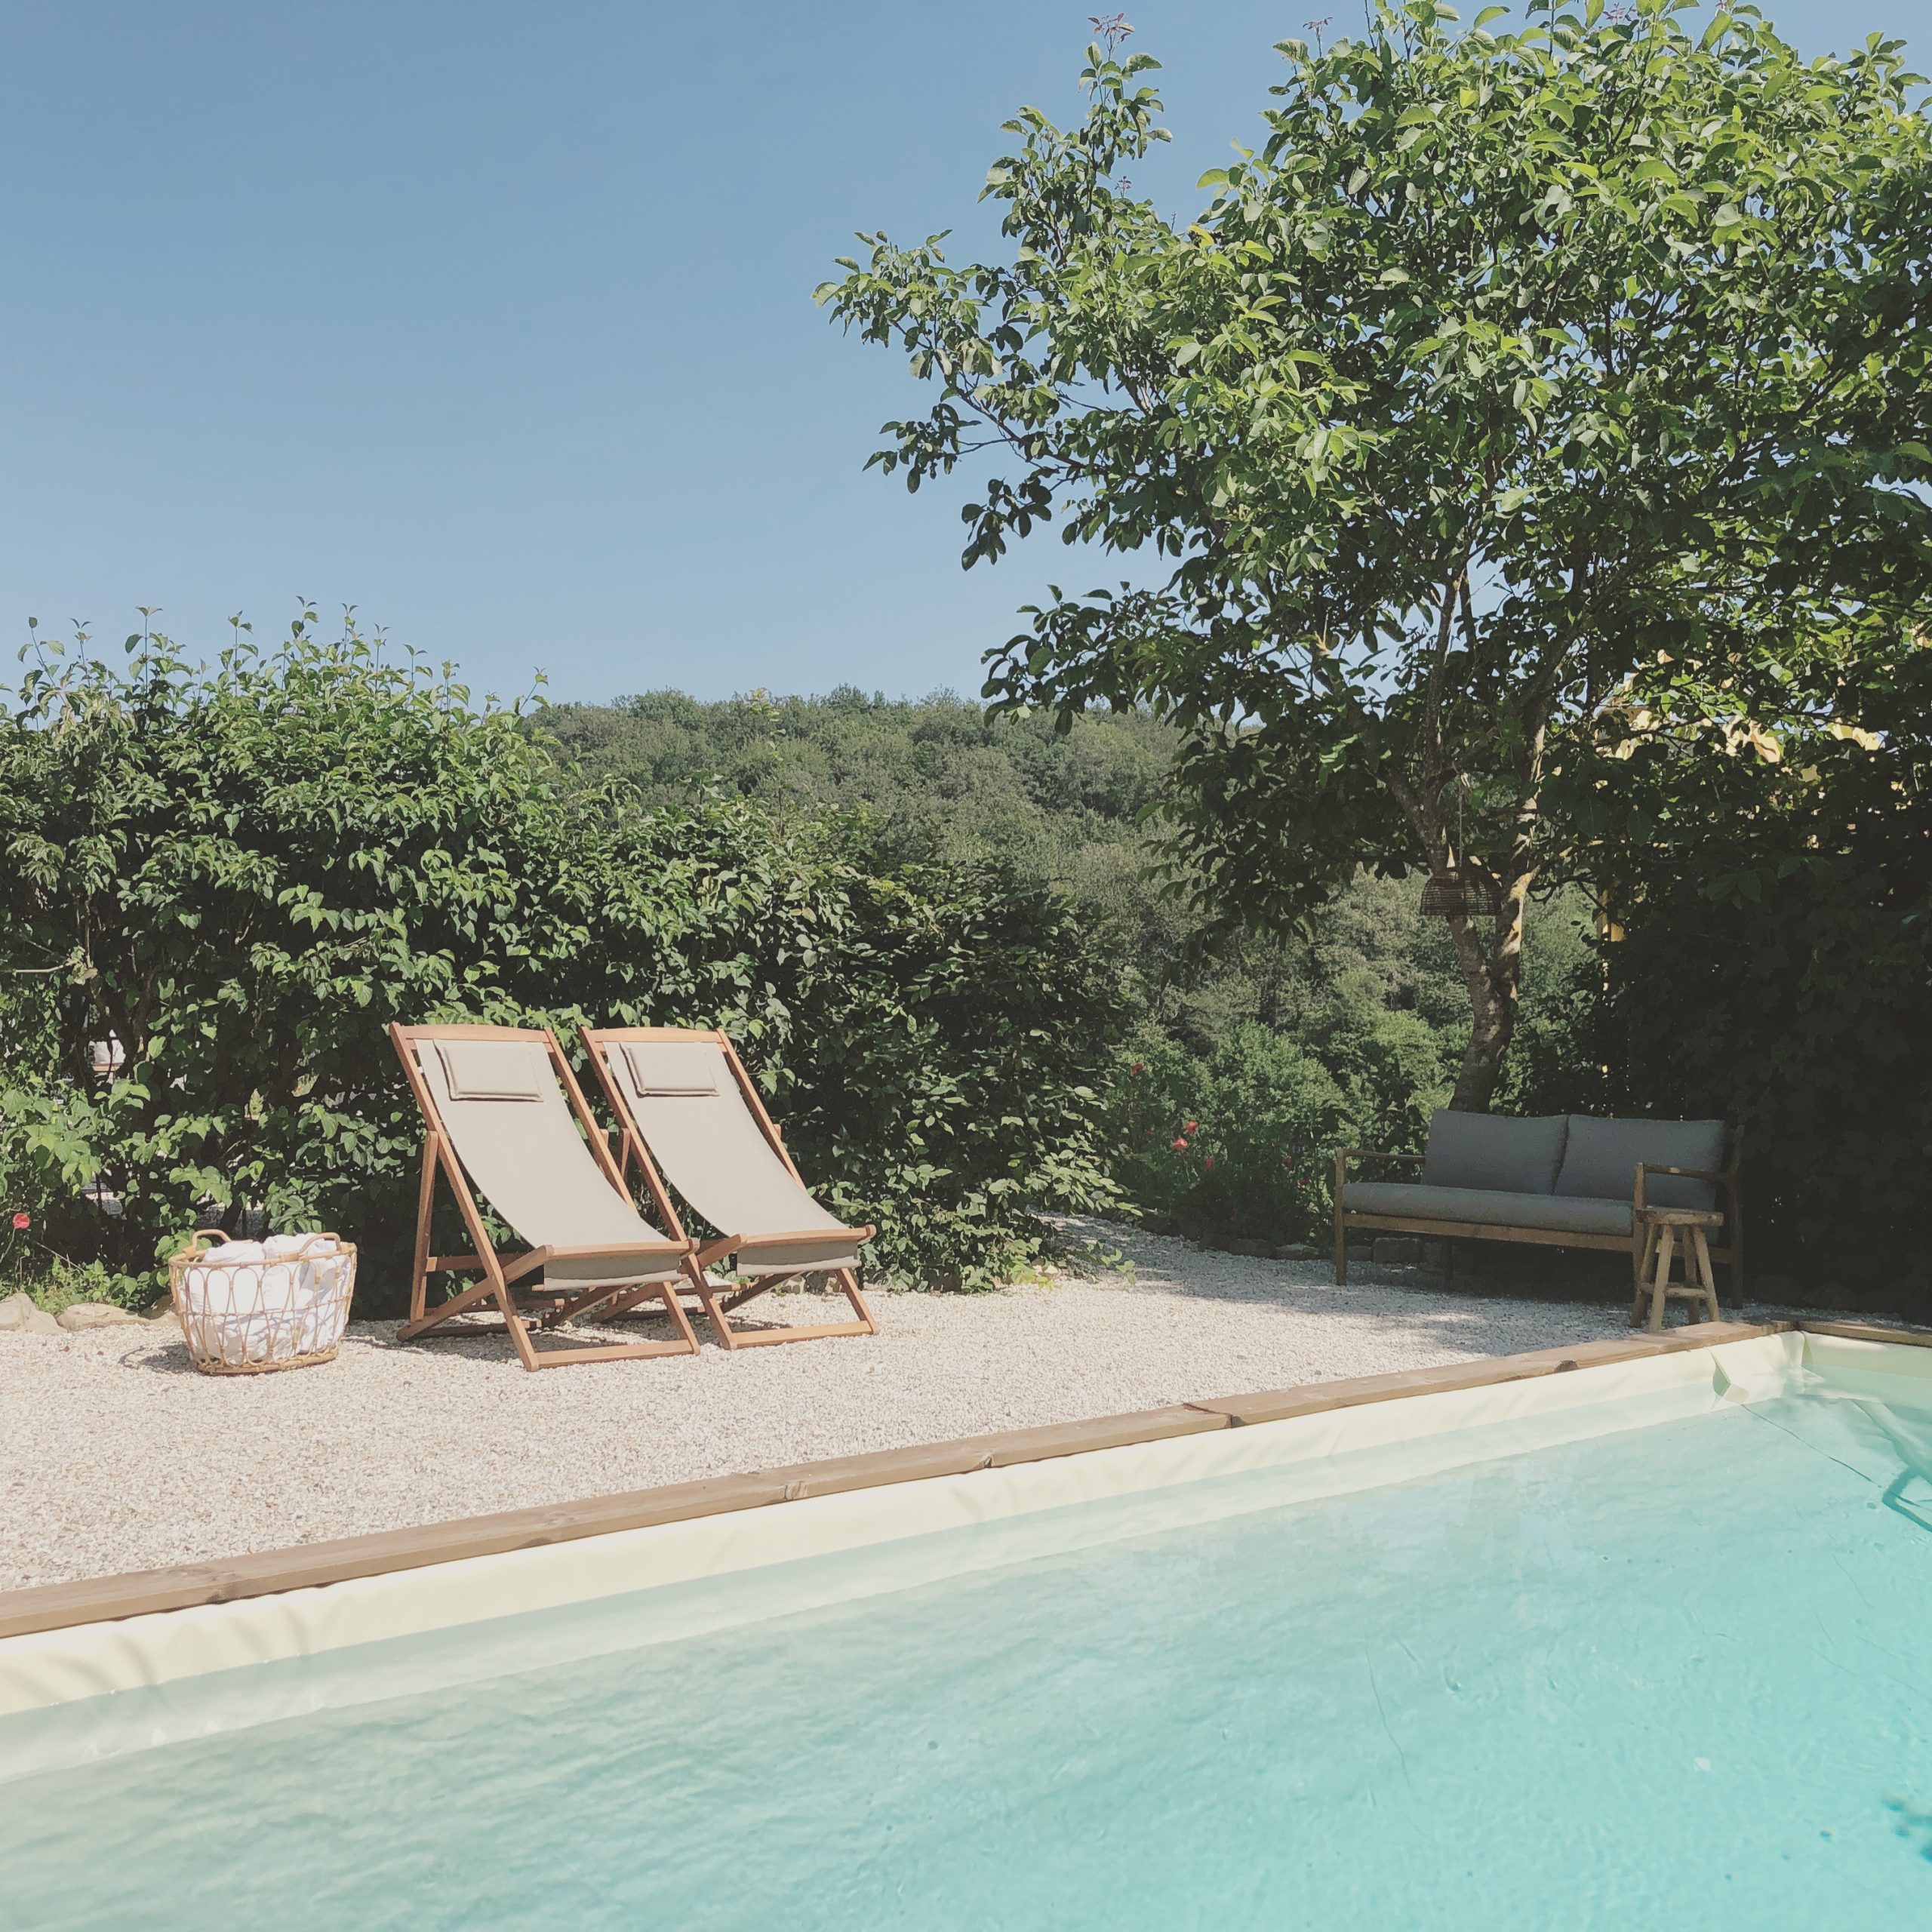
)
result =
(721, 1302)
(522, 1309)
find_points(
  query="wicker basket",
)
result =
(250, 1316)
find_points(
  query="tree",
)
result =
(1782, 894)
(1512, 363)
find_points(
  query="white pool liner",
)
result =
(1879, 1366)
(709, 1572)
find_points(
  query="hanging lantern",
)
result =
(1461, 892)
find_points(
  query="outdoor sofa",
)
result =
(1564, 1180)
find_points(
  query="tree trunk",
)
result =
(1494, 983)
(1492, 969)
(1492, 1022)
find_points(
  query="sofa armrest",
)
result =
(1348, 1153)
(1718, 1178)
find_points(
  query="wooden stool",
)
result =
(1659, 1228)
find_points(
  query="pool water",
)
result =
(1674, 1676)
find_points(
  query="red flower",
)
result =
(1140, 1067)
(1179, 1146)
(1190, 1127)
(1209, 1164)
(22, 1222)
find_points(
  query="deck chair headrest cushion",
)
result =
(494, 1070)
(672, 1070)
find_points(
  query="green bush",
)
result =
(1774, 966)
(244, 873)
(940, 1063)
(1240, 1140)
(1230, 1142)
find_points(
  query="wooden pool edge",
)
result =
(50, 1606)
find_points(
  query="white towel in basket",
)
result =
(248, 1314)
(302, 1310)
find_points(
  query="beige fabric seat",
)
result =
(1488, 1206)
(504, 1114)
(693, 1122)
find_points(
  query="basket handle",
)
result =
(191, 1252)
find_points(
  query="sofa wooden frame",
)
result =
(1639, 1243)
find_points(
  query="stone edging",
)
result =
(140, 1593)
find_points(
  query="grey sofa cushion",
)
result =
(1601, 1160)
(1417, 1201)
(1492, 1151)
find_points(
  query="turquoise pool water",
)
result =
(1676, 1676)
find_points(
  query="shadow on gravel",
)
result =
(166, 1354)
(160, 1358)
(1484, 1291)
(1478, 1304)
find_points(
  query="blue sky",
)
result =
(495, 320)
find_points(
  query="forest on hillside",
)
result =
(1261, 1052)
(1769, 965)
(957, 946)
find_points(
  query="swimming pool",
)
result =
(1640, 1649)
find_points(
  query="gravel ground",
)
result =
(116, 1454)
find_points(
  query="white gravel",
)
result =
(115, 1454)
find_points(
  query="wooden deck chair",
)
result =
(691, 1115)
(502, 1108)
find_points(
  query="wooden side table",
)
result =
(1665, 1231)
